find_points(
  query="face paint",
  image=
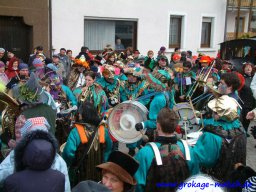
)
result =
(222, 89)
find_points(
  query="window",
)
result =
(99, 33)
(175, 31)
(206, 32)
(241, 25)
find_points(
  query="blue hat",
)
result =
(52, 67)
(94, 69)
(38, 63)
(23, 66)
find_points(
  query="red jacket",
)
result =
(10, 72)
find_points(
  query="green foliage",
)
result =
(28, 94)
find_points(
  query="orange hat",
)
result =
(194, 57)
(176, 57)
(205, 59)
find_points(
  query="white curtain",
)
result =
(97, 34)
(174, 32)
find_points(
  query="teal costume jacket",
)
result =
(70, 96)
(146, 155)
(131, 92)
(158, 103)
(73, 143)
(208, 147)
(97, 96)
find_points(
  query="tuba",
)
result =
(10, 111)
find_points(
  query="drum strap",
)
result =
(86, 149)
(187, 153)
(157, 153)
(82, 134)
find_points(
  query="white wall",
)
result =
(153, 21)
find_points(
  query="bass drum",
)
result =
(122, 120)
(187, 117)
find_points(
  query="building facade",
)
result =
(142, 24)
(245, 26)
(25, 24)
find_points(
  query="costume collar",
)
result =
(166, 140)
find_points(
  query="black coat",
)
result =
(33, 157)
(246, 94)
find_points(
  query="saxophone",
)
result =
(85, 94)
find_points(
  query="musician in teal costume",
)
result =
(146, 155)
(135, 87)
(223, 142)
(160, 100)
(92, 92)
(111, 85)
(205, 65)
(88, 144)
(183, 82)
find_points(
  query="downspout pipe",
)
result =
(225, 27)
(50, 27)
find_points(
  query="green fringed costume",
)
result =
(94, 94)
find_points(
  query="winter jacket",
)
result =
(34, 156)
(246, 94)
(52, 173)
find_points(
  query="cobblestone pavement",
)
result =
(251, 150)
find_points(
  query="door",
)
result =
(16, 36)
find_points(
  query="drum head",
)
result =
(122, 120)
(187, 117)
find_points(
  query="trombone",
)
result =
(202, 79)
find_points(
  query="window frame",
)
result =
(209, 20)
(135, 31)
(181, 20)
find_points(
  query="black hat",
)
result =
(56, 56)
(122, 165)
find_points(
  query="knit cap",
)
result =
(38, 63)
(32, 124)
(23, 66)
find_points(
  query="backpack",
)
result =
(171, 173)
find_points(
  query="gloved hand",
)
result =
(253, 132)
(74, 108)
(197, 120)
(68, 110)
(139, 126)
